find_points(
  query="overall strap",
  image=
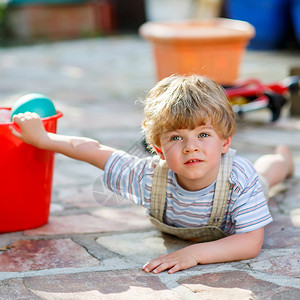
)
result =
(222, 189)
(159, 190)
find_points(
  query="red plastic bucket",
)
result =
(26, 180)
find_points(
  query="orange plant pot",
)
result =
(212, 48)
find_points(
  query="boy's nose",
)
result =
(191, 146)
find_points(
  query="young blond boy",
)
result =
(197, 187)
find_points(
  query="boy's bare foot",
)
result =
(285, 152)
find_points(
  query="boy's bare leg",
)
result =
(275, 168)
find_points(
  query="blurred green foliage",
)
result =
(5, 32)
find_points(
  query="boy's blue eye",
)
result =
(203, 135)
(176, 138)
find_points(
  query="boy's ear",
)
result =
(159, 152)
(226, 144)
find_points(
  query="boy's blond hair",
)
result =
(179, 102)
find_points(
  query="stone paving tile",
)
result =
(281, 233)
(133, 216)
(55, 208)
(14, 289)
(80, 197)
(9, 238)
(107, 220)
(286, 265)
(284, 231)
(70, 173)
(27, 255)
(288, 199)
(239, 285)
(105, 197)
(295, 217)
(81, 223)
(204, 292)
(123, 285)
(269, 135)
(142, 246)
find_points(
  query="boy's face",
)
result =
(194, 155)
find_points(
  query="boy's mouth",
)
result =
(192, 161)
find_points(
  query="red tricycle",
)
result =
(250, 94)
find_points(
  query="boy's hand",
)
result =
(176, 261)
(231, 248)
(32, 129)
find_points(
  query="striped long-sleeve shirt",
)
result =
(247, 209)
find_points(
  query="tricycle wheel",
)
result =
(276, 102)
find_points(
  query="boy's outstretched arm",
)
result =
(235, 247)
(81, 148)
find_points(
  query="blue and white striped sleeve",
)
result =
(249, 210)
(124, 174)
